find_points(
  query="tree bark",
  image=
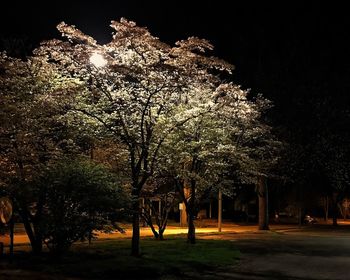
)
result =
(160, 234)
(35, 241)
(335, 209)
(326, 208)
(219, 211)
(334, 219)
(191, 235)
(155, 233)
(189, 206)
(135, 240)
(191, 212)
(262, 191)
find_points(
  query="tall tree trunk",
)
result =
(188, 206)
(210, 210)
(135, 240)
(219, 211)
(161, 234)
(262, 191)
(35, 241)
(326, 208)
(191, 212)
(191, 235)
(335, 208)
(334, 218)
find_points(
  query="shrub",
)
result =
(80, 198)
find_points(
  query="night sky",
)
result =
(284, 49)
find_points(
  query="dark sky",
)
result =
(278, 47)
(243, 24)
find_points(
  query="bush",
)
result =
(80, 197)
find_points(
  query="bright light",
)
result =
(98, 60)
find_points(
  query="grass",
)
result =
(110, 259)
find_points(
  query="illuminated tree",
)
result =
(215, 151)
(141, 94)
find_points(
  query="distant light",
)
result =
(98, 60)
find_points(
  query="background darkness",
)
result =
(296, 53)
(290, 51)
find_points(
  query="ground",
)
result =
(284, 252)
(300, 255)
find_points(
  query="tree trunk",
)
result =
(163, 225)
(334, 218)
(155, 233)
(219, 211)
(38, 238)
(263, 204)
(188, 206)
(35, 241)
(191, 212)
(191, 235)
(335, 209)
(160, 235)
(135, 240)
(210, 210)
(326, 208)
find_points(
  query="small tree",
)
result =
(337, 170)
(80, 197)
(158, 214)
(31, 132)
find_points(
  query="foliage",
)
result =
(228, 146)
(146, 90)
(32, 131)
(80, 197)
(317, 160)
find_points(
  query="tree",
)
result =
(80, 197)
(217, 150)
(31, 132)
(318, 158)
(146, 90)
(337, 170)
(159, 214)
(158, 199)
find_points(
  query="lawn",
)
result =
(110, 259)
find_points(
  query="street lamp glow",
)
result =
(98, 60)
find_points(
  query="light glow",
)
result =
(98, 60)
